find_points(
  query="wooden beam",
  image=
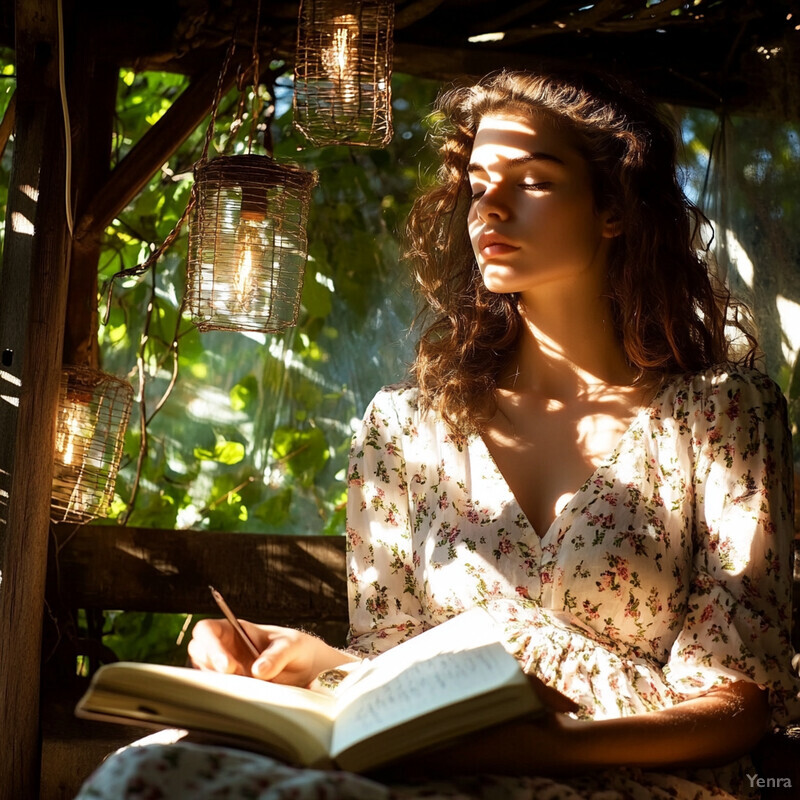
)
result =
(92, 86)
(414, 12)
(297, 579)
(153, 150)
(32, 303)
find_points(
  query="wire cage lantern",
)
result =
(343, 72)
(247, 244)
(93, 412)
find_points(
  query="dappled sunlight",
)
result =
(161, 566)
(31, 192)
(21, 224)
(583, 431)
(7, 378)
(738, 530)
(212, 404)
(789, 313)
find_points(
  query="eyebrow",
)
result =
(519, 161)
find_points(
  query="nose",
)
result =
(491, 206)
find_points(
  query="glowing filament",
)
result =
(69, 435)
(250, 250)
(338, 59)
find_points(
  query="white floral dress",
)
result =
(666, 574)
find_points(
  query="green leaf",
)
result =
(244, 394)
(224, 452)
(301, 453)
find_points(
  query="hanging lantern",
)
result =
(343, 72)
(247, 244)
(93, 414)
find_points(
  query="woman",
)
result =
(575, 332)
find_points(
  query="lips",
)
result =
(492, 244)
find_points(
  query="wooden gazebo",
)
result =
(716, 54)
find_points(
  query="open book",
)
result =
(446, 682)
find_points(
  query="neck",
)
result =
(567, 347)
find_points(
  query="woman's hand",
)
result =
(286, 655)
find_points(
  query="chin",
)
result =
(495, 287)
(497, 283)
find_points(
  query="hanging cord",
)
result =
(256, 79)
(62, 87)
(140, 269)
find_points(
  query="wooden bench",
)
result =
(288, 580)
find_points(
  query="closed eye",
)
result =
(542, 186)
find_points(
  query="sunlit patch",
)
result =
(164, 567)
(488, 153)
(496, 36)
(8, 377)
(30, 191)
(789, 313)
(598, 436)
(369, 575)
(562, 501)
(21, 224)
(739, 258)
(738, 523)
(167, 736)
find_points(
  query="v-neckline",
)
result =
(644, 409)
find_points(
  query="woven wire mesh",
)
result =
(93, 414)
(343, 70)
(248, 244)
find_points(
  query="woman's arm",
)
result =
(713, 729)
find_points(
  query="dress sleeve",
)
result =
(738, 619)
(382, 590)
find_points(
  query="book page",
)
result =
(457, 660)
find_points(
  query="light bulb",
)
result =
(339, 58)
(69, 434)
(249, 252)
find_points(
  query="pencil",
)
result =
(237, 626)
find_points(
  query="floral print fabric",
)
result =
(666, 574)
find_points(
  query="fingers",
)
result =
(283, 660)
(215, 647)
(273, 661)
(286, 655)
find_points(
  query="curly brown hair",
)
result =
(669, 311)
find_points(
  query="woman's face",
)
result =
(532, 220)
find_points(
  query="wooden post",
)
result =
(33, 291)
(92, 97)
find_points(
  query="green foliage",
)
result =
(143, 636)
(7, 86)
